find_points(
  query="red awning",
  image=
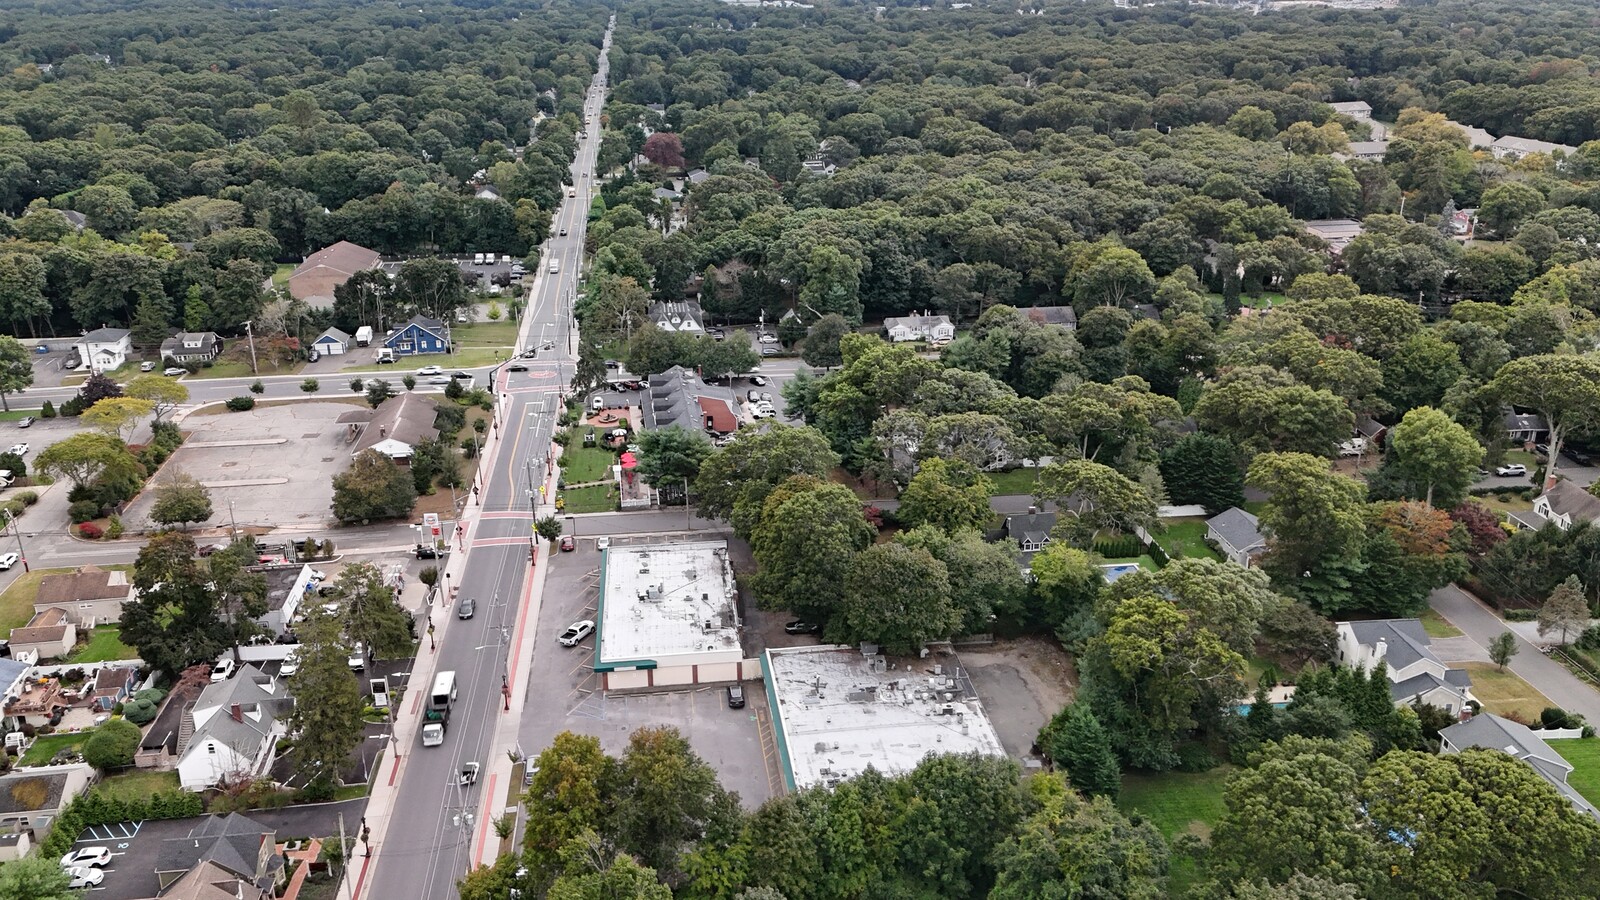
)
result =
(629, 460)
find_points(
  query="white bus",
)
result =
(437, 715)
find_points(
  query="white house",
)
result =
(235, 730)
(678, 315)
(1490, 732)
(1401, 646)
(1237, 534)
(933, 329)
(1564, 504)
(104, 349)
(191, 346)
(1355, 109)
(395, 428)
(1514, 148)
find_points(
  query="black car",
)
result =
(800, 626)
(516, 367)
(1577, 456)
(736, 696)
(423, 551)
(613, 364)
(467, 608)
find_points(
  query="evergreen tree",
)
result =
(1076, 740)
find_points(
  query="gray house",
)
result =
(1237, 534)
(1491, 732)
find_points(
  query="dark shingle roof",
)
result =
(1238, 527)
(1406, 641)
(232, 842)
(22, 792)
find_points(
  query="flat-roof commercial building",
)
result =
(668, 616)
(838, 710)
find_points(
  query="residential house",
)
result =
(1368, 150)
(1491, 732)
(192, 346)
(696, 176)
(1525, 428)
(678, 315)
(667, 194)
(104, 349)
(112, 685)
(286, 591)
(233, 848)
(679, 398)
(1355, 109)
(1374, 431)
(1477, 138)
(90, 596)
(38, 700)
(76, 219)
(32, 798)
(487, 192)
(213, 881)
(933, 329)
(50, 634)
(1031, 530)
(1064, 316)
(1336, 233)
(395, 428)
(420, 335)
(332, 342)
(1514, 148)
(1237, 534)
(1563, 504)
(236, 725)
(1402, 648)
(14, 845)
(313, 281)
(159, 747)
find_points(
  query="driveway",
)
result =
(1551, 678)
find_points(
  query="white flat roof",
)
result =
(667, 604)
(839, 711)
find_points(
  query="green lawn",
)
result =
(240, 368)
(580, 464)
(1504, 693)
(104, 644)
(46, 747)
(16, 604)
(501, 334)
(1177, 802)
(599, 498)
(17, 413)
(1584, 754)
(1185, 537)
(280, 275)
(1014, 481)
(469, 358)
(1437, 626)
(135, 784)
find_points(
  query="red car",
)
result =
(568, 544)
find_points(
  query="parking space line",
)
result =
(769, 752)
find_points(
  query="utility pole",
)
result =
(687, 525)
(233, 524)
(344, 856)
(250, 332)
(21, 552)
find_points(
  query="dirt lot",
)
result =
(1022, 683)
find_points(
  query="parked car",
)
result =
(356, 661)
(758, 380)
(290, 664)
(768, 337)
(87, 856)
(568, 544)
(26, 422)
(174, 371)
(602, 543)
(766, 397)
(613, 364)
(1577, 456)
(19, 449)
(423, 551)
(72, 364)
(576, 632)
(1512, 469)
(207, 550)
(147, 366)
(82, 877)
(769, 350)
(753, 396)
(801, 626)
(736, 696)
(223, 670)
(8, 560)
(467, 609)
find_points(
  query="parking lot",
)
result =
(563, 693)
(275, 465)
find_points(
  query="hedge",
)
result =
(92, 808)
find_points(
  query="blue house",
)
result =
(420, 335)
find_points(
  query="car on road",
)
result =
(147, 366)
(724, 441)
(568, 544)
(550, 345)
(563, 232)
(530, 353)
(467, 609)
(8, 560)
(758, 380)
(736, 696)
(1511, 469)
(26, 422)
(174, 371)
(429, 370)
(769, 350)
(207, 550)
(801, 626)
(516, 367)
(576, 632)
(19, 449)
(81, 877)
(439, 379)
(423, 551)
(613, 364)
(87, 856)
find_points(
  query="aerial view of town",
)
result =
(799, 450)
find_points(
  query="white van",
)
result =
(477, 259)
(555, 266)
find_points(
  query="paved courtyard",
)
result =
(274, 464)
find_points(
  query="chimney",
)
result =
(238, 713)
(1032, 510)
(1380, 649)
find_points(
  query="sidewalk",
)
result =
(1551, 678)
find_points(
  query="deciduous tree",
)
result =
(16, 364)
(1436, 454)
(1564, 389)
(180, 499)
(117, 416)
(1312, 514)
(163, 393)
(1070, 847)
(669, 455)
(809, 532)
(36, 878)
(1093, 497)
(947, 493)
(734, 482)
(372, 617)
(1501, 648)
(372, 488)
(1566, 609)
(896, 596)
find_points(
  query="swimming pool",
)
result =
(1243, 709)
(1112, 571)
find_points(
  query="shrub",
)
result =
(91, 531)
(72, 407)
(311, 385)
(454, 390)
(140, 711)
(114, 528)
(327, 549)
(241, 404)
(15, 507)
(83, 510)
(112, 745)
(1521, 615)
(47, 411)
(1590, 639)
(1556, 717)
(15, 463)
(256, 387)
(28, 497)
(357, 385)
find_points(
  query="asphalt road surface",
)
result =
(428, 844)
